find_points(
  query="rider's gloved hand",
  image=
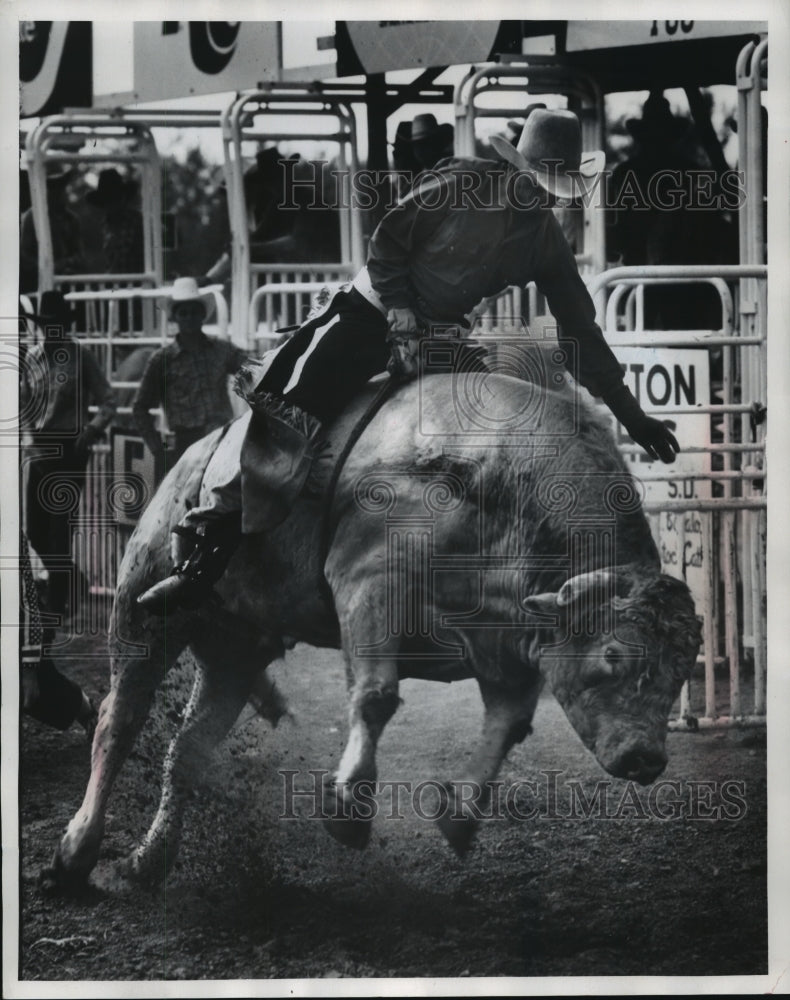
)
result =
(654, 436)
(404, 344)
(402, 322)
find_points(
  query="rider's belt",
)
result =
(363, 285)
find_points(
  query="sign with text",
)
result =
(585, 35)
(665, 380)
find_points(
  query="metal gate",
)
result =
(272, 114)
(730, 516)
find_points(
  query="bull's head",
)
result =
(624, 641)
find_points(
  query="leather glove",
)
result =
(403, 364)
(654, 436)
(403, 322)
(402, 339)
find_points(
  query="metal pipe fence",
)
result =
(727, 506)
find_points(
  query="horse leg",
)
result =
(229, 660)
(374, 700)
(134, 680)
(508, 714)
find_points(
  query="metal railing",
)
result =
(94, 139)
(251, 118)
(728, 517)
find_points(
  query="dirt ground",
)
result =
(257, 896)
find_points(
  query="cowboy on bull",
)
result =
(431, 260)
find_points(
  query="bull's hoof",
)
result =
(341, 819)
(457, 826)
(58, 880)
(146, 869)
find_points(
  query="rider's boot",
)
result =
(277, 451)
(201, 551)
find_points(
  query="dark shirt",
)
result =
(122, 240)
(59, 382)
(444, 249)
(191, 384)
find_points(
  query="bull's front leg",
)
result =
(121, 716)
(508, 714)
(230, 660)
(373, 701)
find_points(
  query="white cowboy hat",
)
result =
(550, 148)
(188, 290)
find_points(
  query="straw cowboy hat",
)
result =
(550, 148)
(187, 290)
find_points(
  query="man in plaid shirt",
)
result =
(188, 377)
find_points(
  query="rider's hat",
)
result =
(550, 148)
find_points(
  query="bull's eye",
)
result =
(612, 655)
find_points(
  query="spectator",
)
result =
(264, 194)
(188, 378)
(650, 224)
(46, 694)
(67, 248)
(430, 141)
(60, 379)
(404, 159)
(121, 225)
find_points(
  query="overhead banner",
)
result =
(55, 66)
(185, 58)
(389, 45)
(586, 35)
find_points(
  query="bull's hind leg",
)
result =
(374, 700)
(230, 657)
(508, 714)
(141, 650)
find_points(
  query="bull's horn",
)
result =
(584, 583)
(542, 605)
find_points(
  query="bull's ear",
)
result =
(542, 605)
(598, 581)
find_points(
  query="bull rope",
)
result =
(358, 429)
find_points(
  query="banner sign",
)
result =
(184, 58)
(586, 35)
(55, 66)
(389, 45)
(665, 380)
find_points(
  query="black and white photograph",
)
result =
(391, 593)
